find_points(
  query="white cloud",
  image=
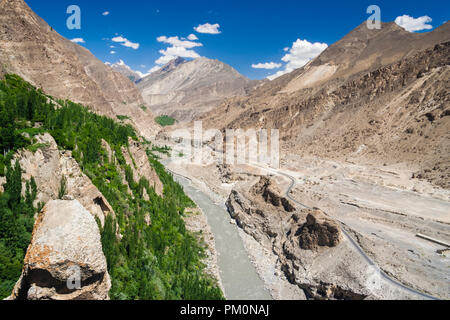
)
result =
(176, 42)
(414, 24)
(105, 13)
(78, 40)
(179, 52)
(174, 52)
(165, 59)
(178, 48)
(208, 28)
(192, 37)
(125, 42)
(141, 74)
(301, 52)
(267, 65)
(112, 52)
(154, 69)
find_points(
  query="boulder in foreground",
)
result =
(65, 260)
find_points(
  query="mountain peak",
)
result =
(185, 89)
(363, 47)
(172, 64)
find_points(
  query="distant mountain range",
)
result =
(187, 89)
(121, 67)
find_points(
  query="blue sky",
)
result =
(251, 32)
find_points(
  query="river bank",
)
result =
(239, 278)
(263, 261)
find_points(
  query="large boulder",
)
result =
(65, 260)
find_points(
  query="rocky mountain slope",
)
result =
(49, 166)
(33, 50)
(376, 96)
(186, 89)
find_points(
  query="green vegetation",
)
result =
(144, 108)
(123, 118)
(161, 260)
(165, 121)
(163, 150)
(62, 187)
(35, 147)
(16, 224)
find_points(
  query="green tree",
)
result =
(62, 187)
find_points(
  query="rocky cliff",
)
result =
(49, 165)
(136, 157)
(65, 260)
(36, 52)
(186, 89)
(302, 240)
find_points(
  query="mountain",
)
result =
(186, 89)
(122, 68)
(33, 50)
(364, 50)
(374, 97)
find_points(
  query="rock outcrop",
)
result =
(271, 194)
(136, 157)
(261, 211)
(48, 166)
(318, 231)
(302, 240)
(65, 260)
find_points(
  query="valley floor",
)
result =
(382, 209)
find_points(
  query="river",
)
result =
(239, 277)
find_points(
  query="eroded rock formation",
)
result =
(65, 248)
(303, 241)
(48, 166)
(318, 231)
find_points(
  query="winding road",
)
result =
(354, 243)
